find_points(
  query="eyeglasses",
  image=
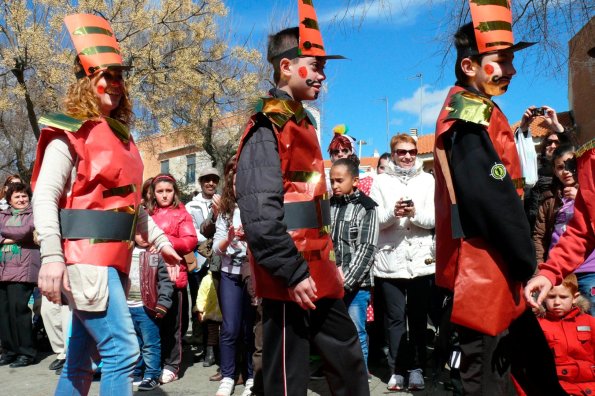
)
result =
(549, 142)
(344, 151)
(402, 153)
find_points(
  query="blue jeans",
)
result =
(586, 285)
(107, 335)
(238, 317)
(357, 305)
(149, 341)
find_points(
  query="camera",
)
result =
(539, 111)
(408, 202)
(570, 165)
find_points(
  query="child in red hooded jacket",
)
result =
(171, 216)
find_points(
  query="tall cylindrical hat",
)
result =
(492, 25)
(94, 42)
(311, 43)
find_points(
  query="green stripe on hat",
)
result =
(499, 43)
(83, 30)
(502, 3)
(99, 49)
(494, 25)
(308, 2)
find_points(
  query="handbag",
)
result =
(486, 299)
(148, 266)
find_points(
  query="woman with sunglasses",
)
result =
(404, 265)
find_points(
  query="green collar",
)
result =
(71, 124)
(279, 111)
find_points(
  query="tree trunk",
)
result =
(19, 73)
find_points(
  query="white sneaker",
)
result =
(168, 376)
(225, 387)
(396, 382)
(248, 387)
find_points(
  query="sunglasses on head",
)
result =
(549, 142)
(344, 151)
(402, 153)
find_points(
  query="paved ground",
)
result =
(38, 380)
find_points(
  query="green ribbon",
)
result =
(83, 30)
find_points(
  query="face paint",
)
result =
(310, 83)
(303, 72)
(489, 69)
(101, 90)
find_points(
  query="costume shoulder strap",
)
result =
(62, 121)
(470, 107)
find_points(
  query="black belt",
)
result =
(96, 224)
(309, 214)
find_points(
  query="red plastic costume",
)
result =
(470, 267)
(109, 175)
(177, 224)
(578, 240)
(304, 185)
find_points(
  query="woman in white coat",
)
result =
(404, 266)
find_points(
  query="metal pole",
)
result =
(386, 102)
(421, 103)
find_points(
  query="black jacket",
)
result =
(259, 193)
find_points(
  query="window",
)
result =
(165, 166)
(191, 169)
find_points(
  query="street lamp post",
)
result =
(421, 98)
(361, 142)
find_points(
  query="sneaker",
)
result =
(396, 382)
(136, 381)
(248, 387)
(168, 376)
(416, 380)
(225, 387)
(148, 384)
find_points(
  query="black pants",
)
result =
(171, 331)
(288, 330)
(406, 299)
(16, 329)
(522, 351)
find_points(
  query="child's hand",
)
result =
(240, 234)
(231, 234)
(570, 192)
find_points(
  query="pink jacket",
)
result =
(177, 224)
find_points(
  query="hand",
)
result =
(231, 234)
(570, 192)
(539, 284)
(526, 119)
(52, 277)
(172, 259)
(341, 274)
(551, 118)
(8, 241)
(399, 208)
(409, 211)
(201, 316)
(240, 234)
(304, 293)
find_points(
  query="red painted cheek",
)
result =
(489, 69)
(101, 90)
(303, 72)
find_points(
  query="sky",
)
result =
(388, 50)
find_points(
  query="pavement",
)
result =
(38, 380)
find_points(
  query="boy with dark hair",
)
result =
(484, 251)
(284, 206)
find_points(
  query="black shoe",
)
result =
(7, 359)
(209, 357)
(57, 364)
(22, 361)
(148, 384)
(59, 371)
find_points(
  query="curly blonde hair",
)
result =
(81, 101)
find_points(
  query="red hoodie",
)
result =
(177, 224)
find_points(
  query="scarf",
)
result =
(404, 175)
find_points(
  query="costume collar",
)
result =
(346, 199)
(280, 108)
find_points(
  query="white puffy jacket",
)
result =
(405, 245)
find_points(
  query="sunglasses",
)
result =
(402, 153)
(549, 142)
(344, 151)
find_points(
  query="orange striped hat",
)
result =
(310, 37)
(492, 24)
(95, 43)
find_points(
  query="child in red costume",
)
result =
(570, 333)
